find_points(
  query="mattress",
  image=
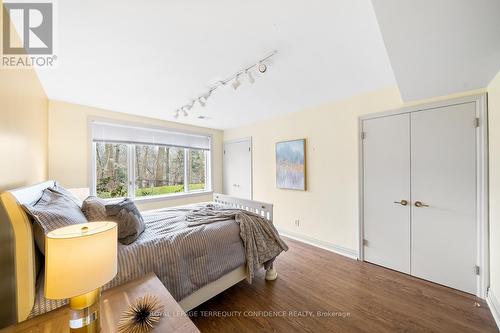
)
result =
(184, 258)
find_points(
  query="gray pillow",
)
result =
(129, 220)
(94, 209)
(61, 190)
(52, 211)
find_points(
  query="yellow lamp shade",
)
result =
(79, 258)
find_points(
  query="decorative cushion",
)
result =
(94, 209)
(54, 210)
(129, 220)
(61, 190)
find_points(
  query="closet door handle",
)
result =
(420, 204)
(401, 202)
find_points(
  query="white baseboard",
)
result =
(494, 307)
(319, 243)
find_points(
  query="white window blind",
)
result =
(106, 132)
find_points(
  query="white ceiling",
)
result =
(150, 57)
(439, 47)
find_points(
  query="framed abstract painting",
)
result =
(291, 165)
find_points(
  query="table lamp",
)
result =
(79, 259)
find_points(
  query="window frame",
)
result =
(208, 175)
(131, 172)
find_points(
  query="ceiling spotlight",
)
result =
(251, 79)
(189, 106)
(262, 67)
(202, 100)
(236, 83)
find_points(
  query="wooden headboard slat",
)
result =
(262, 208)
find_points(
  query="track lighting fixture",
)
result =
(251, 79)
(202, 100)
(236, 83)
(261, 66)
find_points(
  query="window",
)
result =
(197, 169)
(159, 170)
(111, 170)
(138, 169)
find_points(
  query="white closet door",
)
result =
(443, 169)
(237, 169)
(386, 173)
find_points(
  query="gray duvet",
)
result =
(184, 258)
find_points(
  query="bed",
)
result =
(24, 250)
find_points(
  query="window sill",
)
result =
(165, 197)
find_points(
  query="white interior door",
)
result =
(443, 171)
(386, 177)
(237, 168)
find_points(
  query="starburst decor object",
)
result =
(141, 316)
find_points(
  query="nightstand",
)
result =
(114, 303)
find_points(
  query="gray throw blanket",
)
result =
(260, 238)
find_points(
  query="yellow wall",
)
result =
(494, 169)
(69, 147)
(328, 210)
(23, 129)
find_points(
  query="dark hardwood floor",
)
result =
(352, 296)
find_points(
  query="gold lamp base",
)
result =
(85, 314)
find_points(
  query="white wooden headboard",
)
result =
(262, 208)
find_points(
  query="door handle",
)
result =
(420, 204)
(402, 202)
